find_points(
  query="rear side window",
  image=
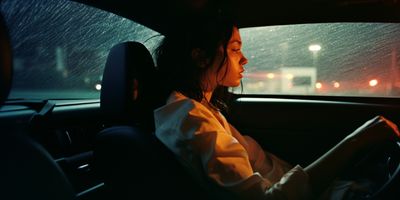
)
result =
(60, 47)
(334, 59)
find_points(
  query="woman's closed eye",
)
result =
(236, 50)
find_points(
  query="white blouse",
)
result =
(208, 145)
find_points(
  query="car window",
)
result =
(60, 47)
(340, 59)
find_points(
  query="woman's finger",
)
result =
(393, 126)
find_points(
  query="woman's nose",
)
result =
(243, 60)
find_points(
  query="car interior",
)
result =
(129, 156)
(23, 156)
(104, 147)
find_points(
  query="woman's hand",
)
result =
(376, 131)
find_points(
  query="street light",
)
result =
(98, 87)
(270, 75)
(314, 48)
(373, 82)
(336, 84)
(318, 85)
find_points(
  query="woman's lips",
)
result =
(241, 74)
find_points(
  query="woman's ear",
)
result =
(199, 57)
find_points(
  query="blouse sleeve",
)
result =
(227, 162)
(223, 158)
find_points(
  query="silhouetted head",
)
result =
(201, 55)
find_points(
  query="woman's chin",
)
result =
(235, 84)
(231, 83)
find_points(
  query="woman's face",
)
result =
(231, 72)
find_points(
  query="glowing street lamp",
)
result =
(98, 87)
(318, 85)
(336, 84)
(373, 82)
(270, 75)
(314, 48)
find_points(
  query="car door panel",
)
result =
(301, 130)
(67, 132)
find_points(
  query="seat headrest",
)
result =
(127, 62)
(5, 62)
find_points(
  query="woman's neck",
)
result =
(207, 102)
(207, 95)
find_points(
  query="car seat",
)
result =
(129, 158)
(27, 171)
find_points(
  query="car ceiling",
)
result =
(159, 14)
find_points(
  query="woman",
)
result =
(198, 63)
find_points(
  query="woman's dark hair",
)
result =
(177, 68)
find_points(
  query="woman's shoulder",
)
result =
(181, 108)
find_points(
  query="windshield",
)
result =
(60, 47)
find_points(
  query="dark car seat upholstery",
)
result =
(116, 98)
(27, 171)
(131, 160)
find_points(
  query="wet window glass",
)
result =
(342, 59)
(60, 47)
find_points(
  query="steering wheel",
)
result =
(377, 173)
(391, 158)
